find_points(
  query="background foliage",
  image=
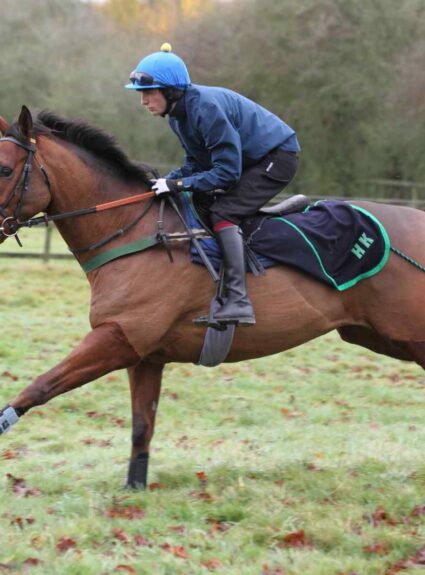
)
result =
(346, 74)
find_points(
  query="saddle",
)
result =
(292, 204)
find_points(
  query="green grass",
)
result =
(316, 439)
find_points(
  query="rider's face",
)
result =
(154, 101)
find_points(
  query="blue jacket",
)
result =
(222, 134)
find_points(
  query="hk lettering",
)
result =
(363, 243)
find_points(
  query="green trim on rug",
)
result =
(360, 277)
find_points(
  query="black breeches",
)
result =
(257, 186)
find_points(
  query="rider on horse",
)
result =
(231, 144)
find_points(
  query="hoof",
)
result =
(137, 477)
(134, 486)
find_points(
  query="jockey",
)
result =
(232, 144)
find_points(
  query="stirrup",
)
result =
(238, 322)
(205, 321)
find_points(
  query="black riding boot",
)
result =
(237, 307)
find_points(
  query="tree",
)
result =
(155, 16)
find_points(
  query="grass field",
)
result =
(305, 463)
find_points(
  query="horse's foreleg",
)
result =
(145, 386)
(103, 350)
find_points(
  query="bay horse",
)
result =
(142, 305)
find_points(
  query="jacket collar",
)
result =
(179, 110)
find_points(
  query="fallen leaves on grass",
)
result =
(380, 516)
(126, 568)
(176, 550)
(121, 535)
(97, 442)
(218, 526)
(38, 541)
(202, 476)
(418, 511)
(272, 570)
(118, 421)
(65, 543)
(155, 486)
(343, 403)
(295, 539)
(204, 495)
(181, 529)
(376, 548)
(413, 562)
(122, 512)
(10, 375)
(9, 454)
(95, 414)
(13, 567)
(141, 541)
(290, 413)
(212, 564)
(171, 395)
(19, 487)
(31, 562)
(22, 521)
(203, 482)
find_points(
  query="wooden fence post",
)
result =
(47, 244)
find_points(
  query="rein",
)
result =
(44, 220)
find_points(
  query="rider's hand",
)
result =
(163, 186)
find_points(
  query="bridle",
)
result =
(10, 224)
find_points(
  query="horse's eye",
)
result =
(5, 171)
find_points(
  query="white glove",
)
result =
(160, 187)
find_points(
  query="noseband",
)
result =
(10, 224)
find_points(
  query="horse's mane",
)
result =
(94, 140)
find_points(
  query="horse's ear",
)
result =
(25, 122)
(4, 126)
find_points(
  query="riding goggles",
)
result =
(142, 79)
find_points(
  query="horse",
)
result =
(142, 305)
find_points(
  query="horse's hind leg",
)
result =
(366, 337)
(417, 349)
(103, 350)
(145, 386)
(376, 342)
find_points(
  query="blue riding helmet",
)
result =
(160, 70)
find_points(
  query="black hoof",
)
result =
(134, 487)
(138, 472)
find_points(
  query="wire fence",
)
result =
(46, 244)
